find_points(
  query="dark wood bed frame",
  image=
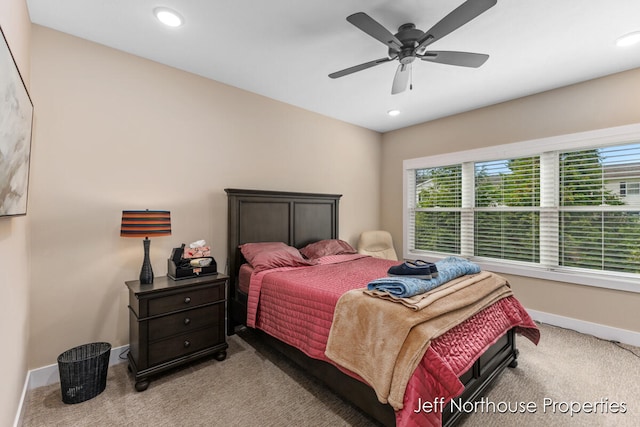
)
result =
(302, 218)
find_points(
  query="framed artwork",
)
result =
(16, 118)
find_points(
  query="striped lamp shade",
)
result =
(145, 223)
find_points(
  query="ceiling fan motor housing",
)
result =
(409, 35)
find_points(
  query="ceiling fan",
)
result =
(410, 43)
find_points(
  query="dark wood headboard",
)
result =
(296, 219)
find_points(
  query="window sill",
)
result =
(595, 279)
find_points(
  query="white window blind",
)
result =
(573, 209)
(436, 216)
(599, 223)
(507, 214)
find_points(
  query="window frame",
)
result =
(576, 141)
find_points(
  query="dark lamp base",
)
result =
(146, 273)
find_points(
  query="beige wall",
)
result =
(14, 254)
(115, 132)
(605, 102)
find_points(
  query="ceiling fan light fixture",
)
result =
(393, 113)
(628, 39)
(168, 17)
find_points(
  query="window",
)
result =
(507, 214)
(437, 217)
(599, 228)
(630, 188)
(561, 205)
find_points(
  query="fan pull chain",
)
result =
(411, 77)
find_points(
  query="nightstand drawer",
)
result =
(185, 299)
(181, 345)
(185, 321)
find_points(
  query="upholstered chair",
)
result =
(377, 243)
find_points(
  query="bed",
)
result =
(297, 220)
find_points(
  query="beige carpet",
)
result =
(256, 387)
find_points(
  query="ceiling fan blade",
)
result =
(463, 59)
(464, 13)
(401, 78)
(360, 67)
(374, 29)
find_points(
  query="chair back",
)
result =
(377, 243)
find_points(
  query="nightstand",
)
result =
(173, 322)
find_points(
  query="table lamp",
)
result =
(146, 224)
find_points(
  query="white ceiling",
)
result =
(285, 49)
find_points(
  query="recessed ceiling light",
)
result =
(393, 113)
(168, 17)
(628, 39)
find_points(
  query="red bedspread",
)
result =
(296, 306)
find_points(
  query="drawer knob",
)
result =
(187, 321)
(186, 344)
(187, 300)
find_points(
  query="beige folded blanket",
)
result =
(383, 342)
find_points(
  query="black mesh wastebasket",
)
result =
(83, 371)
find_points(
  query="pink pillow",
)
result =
(327, 247)
(268, 255)
(250, 250)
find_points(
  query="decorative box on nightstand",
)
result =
(175, 322)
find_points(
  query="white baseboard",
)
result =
(48, 375)
(17, 422)
(597, 330)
